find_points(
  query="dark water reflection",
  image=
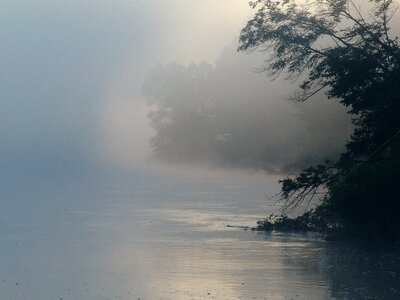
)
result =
(171, 242)
(363, 271)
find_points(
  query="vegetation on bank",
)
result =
(352, 56)
(303, 222)
(306, 222)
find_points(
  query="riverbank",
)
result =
(308, 223)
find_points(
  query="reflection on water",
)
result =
(171, 242)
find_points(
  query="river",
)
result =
(149, 237)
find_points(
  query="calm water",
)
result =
(160, 238)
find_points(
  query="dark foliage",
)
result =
(284, 223)
(354, 59)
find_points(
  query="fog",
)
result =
(228, 114)
(85, 86)
(71, 74)
(129, 133)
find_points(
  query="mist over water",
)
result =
(90, 209)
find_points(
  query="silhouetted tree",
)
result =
(352, 57)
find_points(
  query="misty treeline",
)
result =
(346, 58)
(230, 115)
(346, 49)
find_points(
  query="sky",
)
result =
(71, 74)
(79, 79)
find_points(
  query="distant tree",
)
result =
(351, 57)
(220, 116)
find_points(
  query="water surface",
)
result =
(163, 238)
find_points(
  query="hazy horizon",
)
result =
(73, 76)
